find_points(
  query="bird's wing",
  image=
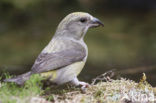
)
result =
(51, 61)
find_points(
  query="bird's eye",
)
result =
(83, 20)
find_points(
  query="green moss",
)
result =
(12, 93)
(112, 91)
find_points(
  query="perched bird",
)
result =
(64, 57)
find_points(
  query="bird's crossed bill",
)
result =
(64, 57)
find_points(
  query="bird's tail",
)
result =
(20, 80)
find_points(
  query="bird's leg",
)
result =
(76, 82)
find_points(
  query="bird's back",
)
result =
(60, 44)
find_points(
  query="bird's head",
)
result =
(76, 24)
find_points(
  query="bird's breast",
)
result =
(67, 73)
(64, 74)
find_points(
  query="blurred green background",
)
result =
(127, 43)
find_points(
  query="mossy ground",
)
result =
(105, 91)
(12, 93)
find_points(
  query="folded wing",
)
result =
(51, 61)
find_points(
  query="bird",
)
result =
(64, 57)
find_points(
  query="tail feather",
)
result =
(20, 80)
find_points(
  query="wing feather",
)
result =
(51, 61)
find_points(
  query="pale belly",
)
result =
(65, 74)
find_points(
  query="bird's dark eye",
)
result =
(83, 20)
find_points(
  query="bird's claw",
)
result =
(83, 85)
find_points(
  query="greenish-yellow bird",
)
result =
(65, 55)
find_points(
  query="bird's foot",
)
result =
(83, 85)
